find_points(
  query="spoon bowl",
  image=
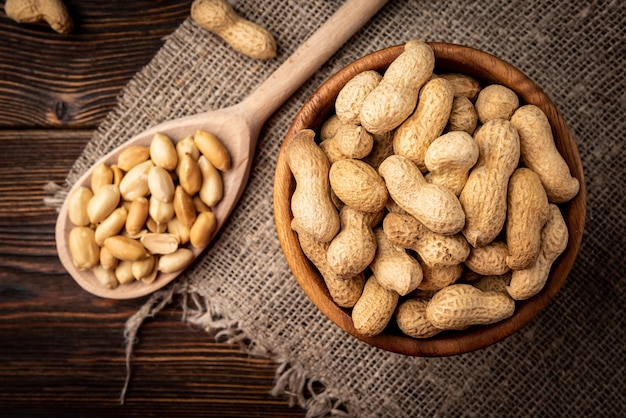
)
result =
(237, 127)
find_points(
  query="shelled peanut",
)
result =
(145, 213)
(468, 182)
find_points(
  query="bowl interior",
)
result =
(487, 69)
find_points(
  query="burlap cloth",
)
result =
(569, 361)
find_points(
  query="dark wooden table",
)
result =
(62, 351)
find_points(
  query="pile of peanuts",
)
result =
(429, 198)
(143, 214)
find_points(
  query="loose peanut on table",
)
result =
(444, 206)
(123, 231)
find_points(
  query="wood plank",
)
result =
(73, 80)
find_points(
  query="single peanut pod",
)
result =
(162, 152)
(484, 195)
(212, 189)
(101, 176)
(313, 210)
(345, 292)
(374, 309)
(489, 260)
(394, 268)
(77, 206)
(459, 306)
(141, 269)
(418, 131)
(132, 156)
(124, 272)
(242, 35)
(160, 184)
(137, 216)
(159, 243)
(103, 203)
(106, 277)
(213, 149)
(112, 225)
(202, 229)
(83, 247)
(176, 261)
(354, 247)
(434, 206)
(135, 182)
(161, 212)
(189, 174)
(554, 236)
(527, 213)
(358, 185)
(107, 261)
(125, 248)
(463, 85)
(496, 102)
(539, 153)
(352, 95)
(395, 96)
(463, 116)
(449, 159)
(184, 207)
(176, 227)
(411, 319)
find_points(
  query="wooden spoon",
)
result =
(237, 127)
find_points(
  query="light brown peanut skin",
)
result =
(463, 85)
(484, 197)
(459, 306)
(354, 247)
(436, 207)
(496, 102)
(242, 35)
(554, 236)
(527, 213)
(344, 292)
(411, 319)
(53, 12)
(463, 116)
(539, 153)
(414, 135)
(351, 97)
(374, 309)
(489, 259)
(438, 277)
(434, 249)
(395, 97)
(311, 205)
(393, 267)
(449, 159)
(358, 185)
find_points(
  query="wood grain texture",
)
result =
(63, 350)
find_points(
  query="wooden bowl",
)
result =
(487, 69)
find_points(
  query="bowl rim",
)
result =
(487, 68)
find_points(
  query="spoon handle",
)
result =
(308, 58)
